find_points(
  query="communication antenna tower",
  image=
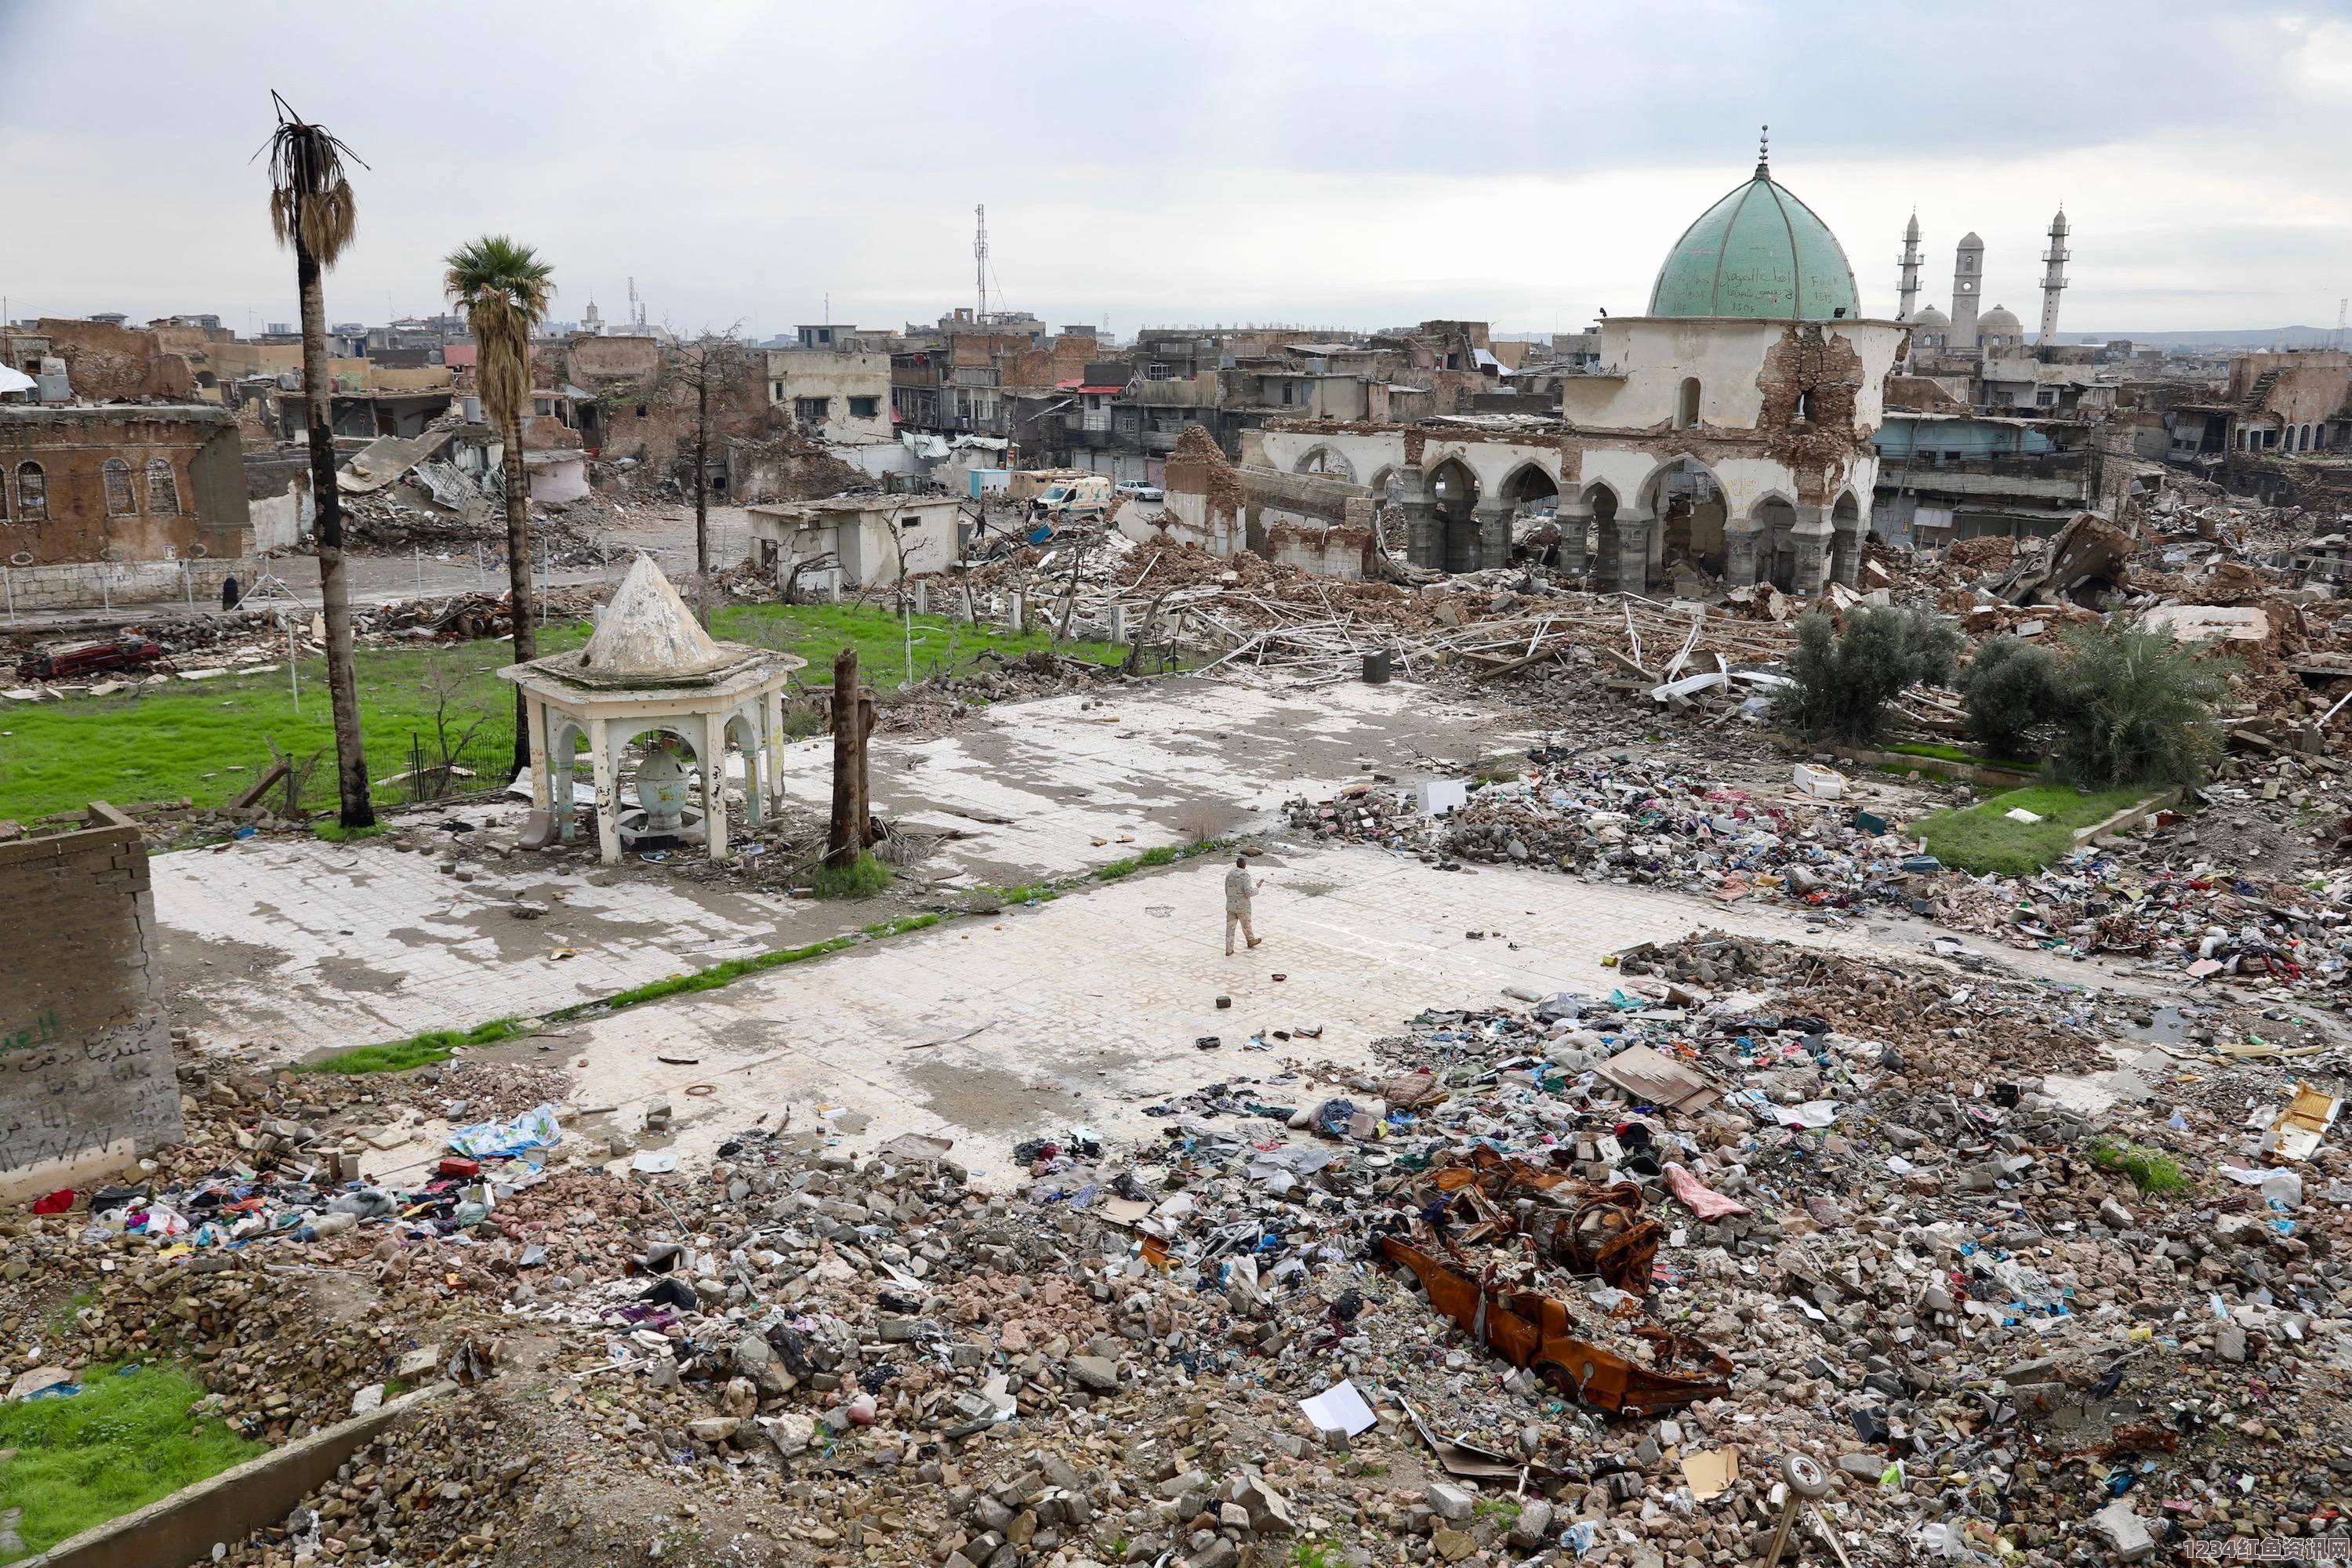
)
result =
(980, 260)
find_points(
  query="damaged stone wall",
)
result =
(105, 363)
(1824, 369)
(651, 417)
(86, 1077)
(203, 508)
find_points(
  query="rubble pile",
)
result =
(1653, 820)
(402, 519)
(2238, 892)
(1565, 1279)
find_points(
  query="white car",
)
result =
(1136, 491)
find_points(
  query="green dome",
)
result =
(1758, 252)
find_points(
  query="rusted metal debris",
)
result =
(1530, 1329)
(1606, 1233)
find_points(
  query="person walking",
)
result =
(1239, 886)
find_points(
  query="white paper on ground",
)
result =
(1338, 1406)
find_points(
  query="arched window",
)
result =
(163, 489)
(119, 501)
(1687, 404)
(1804, 411)
(32, 493)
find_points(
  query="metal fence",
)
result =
(483, 761)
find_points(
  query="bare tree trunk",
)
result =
(352, 787)
(526, 634)
(702, 489)
(848, 834)
(864, 792)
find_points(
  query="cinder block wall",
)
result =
(86, 1079)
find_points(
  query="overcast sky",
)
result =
(1357, 163)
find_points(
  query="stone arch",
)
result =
(1527, 484)
(743, 733)
(623, 734)
(1846, 529)
(565, 738)
(1327, 459)
(1774, 516)
(1454, 493)
(1685, 499)
(1387, 484)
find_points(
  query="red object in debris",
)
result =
(58, 1202)
(62, 661)
(451, 1166)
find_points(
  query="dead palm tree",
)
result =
(311, 209)
(503, 289)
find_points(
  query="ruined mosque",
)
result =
(1729, 425)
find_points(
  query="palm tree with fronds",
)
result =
(311, 209)
(503, 289)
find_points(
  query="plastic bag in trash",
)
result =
(534, 1128)
(368, 1202)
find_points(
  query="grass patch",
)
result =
(1982, 839)
(861, 879)
(418, 1050)
(817, 632)
(735, 969)
(2151, 1168)
(124, 1441)
(203, 740)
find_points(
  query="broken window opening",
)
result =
(1687, 404)
(163, 489)
(32, 493)
(120, 500)
(865, 407)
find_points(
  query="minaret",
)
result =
(1908, 294)
(2053, 276)
(1968, 282)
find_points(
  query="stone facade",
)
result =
(86, 1079)
(120, 482)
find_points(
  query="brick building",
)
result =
(120, 482)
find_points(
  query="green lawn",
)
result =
(1982, 839)
(208, 740)
(124, 1441)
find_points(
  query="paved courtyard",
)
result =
(988, 1031)
(304, 946)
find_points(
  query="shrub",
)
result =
(2139, 708)
(1842, 680)
(2013, 689)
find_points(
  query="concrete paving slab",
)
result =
(1084, 1010)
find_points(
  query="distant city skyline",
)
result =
(1525, 164)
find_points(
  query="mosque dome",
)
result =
(1759, 253)
(1999, 321)
(1930, 317)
